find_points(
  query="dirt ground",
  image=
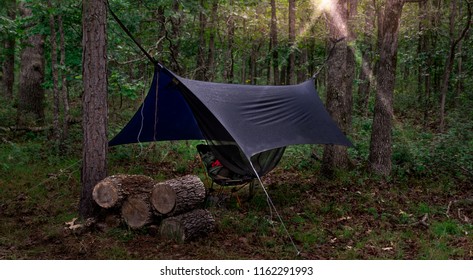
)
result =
(362, 220)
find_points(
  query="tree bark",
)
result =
(448, 68)
(174, 46)
(201, 66)
(8, 67)
(423, 75)
(188, 226)
(381, 135)
(95, 108)
(64, 95)
(178, 195)
(210, 73)
(229, 58)
(111, 191)
(55, 74)
(274, 43)
(338, 85)
(292, 41)
(31, 92)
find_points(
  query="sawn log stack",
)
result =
(176, 205)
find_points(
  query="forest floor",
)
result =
(351, 216)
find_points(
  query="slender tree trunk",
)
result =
(31, 92)
(161, 20)
(229, 59)
(210, 74)
(243, 60)
(381, 135)
(421, 51)
(429, 41)
(8, 67)
(459, 87)
(201, 66)
(64, 95)
(252, 63)
(174, 46)
(338, 97)
(95, 109)
(292, 41)
(451, 57)
(55, 74)
(366, 71)
(274, 43)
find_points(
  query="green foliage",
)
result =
(418, 153)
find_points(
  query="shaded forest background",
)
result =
(428, 126)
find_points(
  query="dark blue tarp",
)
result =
(257, 118)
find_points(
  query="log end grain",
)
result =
(136, 212)
(106, 195)
(163, 198)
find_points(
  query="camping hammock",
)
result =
(246, 127)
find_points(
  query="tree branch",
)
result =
(467, 25)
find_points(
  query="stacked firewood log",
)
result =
(174, 205)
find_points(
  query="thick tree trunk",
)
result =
(381, 135)
(188, 226)
(111, 191)
(95, 108)
(177, 196)
(338, 85)
(31, 92)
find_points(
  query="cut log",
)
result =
(177, 196)
(136, 211)
(188, 226)
(111, 191)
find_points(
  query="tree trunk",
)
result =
(64, 95)
(366, 71)
(201, 67)
(55, 74)
(423, 87)
(274, 43)
(229, 59)
(177, 196)
(381, 135)
(111, 191)
(188, 226)
(8, 67)
(210, 73)
(161, 20)
(95, 108)
(31, 92)
(174, 46)
(338, 96)
(352, 14)
(451, 57)
(291, 73)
